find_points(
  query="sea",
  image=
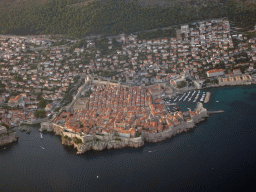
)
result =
(219, 154)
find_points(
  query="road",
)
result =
(76, 97)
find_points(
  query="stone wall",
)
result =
(105, 83)
(157, 137)
(108, 83)
(46, 126)
(100, 142)
(58, 129)
(72, 135)
(183, 127)
(104, 138)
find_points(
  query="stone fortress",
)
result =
(114, 141)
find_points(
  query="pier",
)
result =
(215, 112)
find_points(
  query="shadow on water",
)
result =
(240, 105)
(112, 152)
(7, 148)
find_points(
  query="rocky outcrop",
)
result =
(101, 145)
(66, 142)
(8, 138)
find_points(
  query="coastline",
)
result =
(8, 138)
(101, 142)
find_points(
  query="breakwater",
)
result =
(207, 97)
(215, 112)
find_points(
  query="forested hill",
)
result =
(79, 18)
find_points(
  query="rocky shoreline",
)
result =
(100, 142)
(8, 138)
(100, 145)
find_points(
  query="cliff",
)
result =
(99, 145)
(101, 142)
(8, 138)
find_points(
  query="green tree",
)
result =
(182, 84)
(40, 113)
(42, 103)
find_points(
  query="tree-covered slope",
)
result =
(77, 18)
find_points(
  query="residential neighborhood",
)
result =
(40, 75)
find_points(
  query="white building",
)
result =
(184, 29)
(215, 72)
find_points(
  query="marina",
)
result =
(185, 100)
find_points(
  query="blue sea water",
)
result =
(218, 155)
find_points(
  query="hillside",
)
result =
(19, 4)
(79, 18)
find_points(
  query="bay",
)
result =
(218, 155)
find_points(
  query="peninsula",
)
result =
(132, 82)
(116, 116)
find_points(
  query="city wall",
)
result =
(108, 83)
(157, 137)
(100, 142)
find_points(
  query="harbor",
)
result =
(186, 100)
(59, 165)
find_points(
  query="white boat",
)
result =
(217, 101)
(41, 135)
(187, 95)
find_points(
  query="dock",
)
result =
(207, 97)
(215, 112)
